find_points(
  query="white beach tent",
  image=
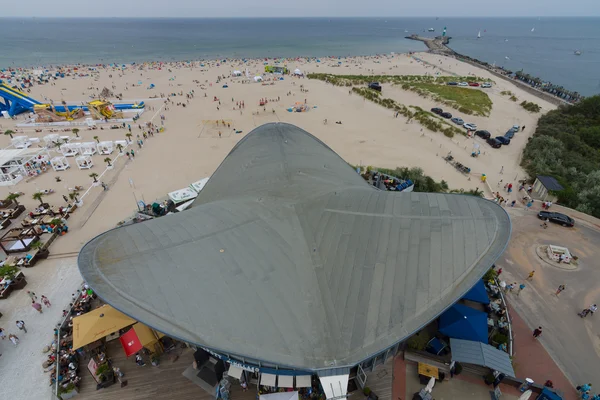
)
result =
(298, 72)
(258, 79)
(280, 396)
(237, 73)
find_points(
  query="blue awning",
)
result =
(548, 394)
(462, 322)
(478, 293)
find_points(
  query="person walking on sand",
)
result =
(32, 295)
(21, 326)
(530, 277)
(37, 306)
(521, 287)
(132, 154)
(14, 339)
(502, 170)
(537, 332)
(560, 289)
(2, 335)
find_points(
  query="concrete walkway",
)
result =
(21, 373)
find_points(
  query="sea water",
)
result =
(546, 52)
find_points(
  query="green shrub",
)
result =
(500, 338)
(417, 342)
(531, 107)
(514, 98)
(491, 274)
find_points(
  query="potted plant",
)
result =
(109, 162)
(73, 196)
(120, 147)
(39, 196)
(128, 135)
(9, 133)
(42, 251)
(68, 392)
(75, 132)
(97, 139)
(12, 198)
(94, 175)
(9, 271)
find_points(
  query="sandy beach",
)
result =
(191, 147)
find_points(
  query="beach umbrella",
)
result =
(462, 322)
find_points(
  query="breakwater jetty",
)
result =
(439, 45)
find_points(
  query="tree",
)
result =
(13, 197)
(73, 196)
(108, 160)
(120, 147)
(9, 133)
(97, 139)
(94, 175)
(129, 135)
(39, 196)
(75, 132)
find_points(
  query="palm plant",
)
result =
(94, 175)
(75, 132)
(9, 133)
(129, 135)
(73, 196)
(39, 196)
(13, 197)
(108, 160)
(97, 139)
(120, 147)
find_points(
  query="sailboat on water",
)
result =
(532, 29)
(479, 35)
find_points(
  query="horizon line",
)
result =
(301, 17)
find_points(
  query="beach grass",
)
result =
(531, 107)
(465, 100)
(352, 80)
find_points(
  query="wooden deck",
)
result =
(167, 382)
(163, 382)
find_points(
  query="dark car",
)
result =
(504, 140)
(494, 143)
(452, 83)
(446, 115)
(437, 110)
(510, 134)
(557, 218)
(375, 86)
(483, 134)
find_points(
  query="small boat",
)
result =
(431, 30)
(577, 53)
(507, 57)
(405, 31)
(479, 35)
(532, 29)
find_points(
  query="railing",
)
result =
(510, 337)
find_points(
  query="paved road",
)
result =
(574, 343)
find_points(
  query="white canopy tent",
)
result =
(13, 163)
(258, 79)
(198, 186)
(298, 72)
(84, 162)
(52, 139)
(105, 148)
(60, 163)
(182, 195)
(69, 149)
(280, 396)
(237, 73)
(21, 142)
(87, 148)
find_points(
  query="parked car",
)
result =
(557, 218)
(375, 86)
(457, 120)
(473, 84)
(510, 134)
(504, 140)
(483, 134)
(486, 85)
(516, 128)
(463, 84)
(470, 127)
(437, 110)
(446, 115)
(452, 83)
(494, 143)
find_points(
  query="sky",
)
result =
(303, 8)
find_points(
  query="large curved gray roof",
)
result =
(289, 256)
